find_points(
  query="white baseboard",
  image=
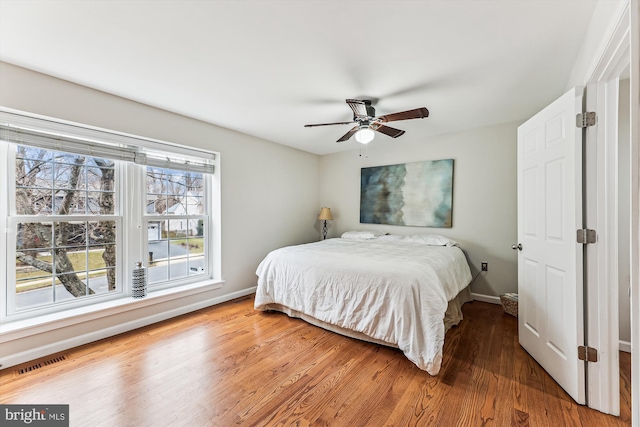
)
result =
(625, 346)
(45, 350)
(486, 298)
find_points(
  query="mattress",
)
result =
(394, 293)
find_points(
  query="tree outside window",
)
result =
(79, 254)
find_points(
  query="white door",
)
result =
(550, 314)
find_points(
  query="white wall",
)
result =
(269, 192)
(484, 195)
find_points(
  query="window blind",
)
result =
(175, 161)
(65, 143)
(53, 135)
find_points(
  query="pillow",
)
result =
(361, 235)
(430, 239)
(391, 237)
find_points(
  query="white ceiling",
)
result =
(268, 67)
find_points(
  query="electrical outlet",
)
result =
(485, 266)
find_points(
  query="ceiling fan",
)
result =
(366, 122)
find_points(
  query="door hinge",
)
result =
(586, 236)
(587, 119)
(588, 354)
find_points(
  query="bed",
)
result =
(399, 291)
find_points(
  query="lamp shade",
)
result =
(325, 214)
(365, 135)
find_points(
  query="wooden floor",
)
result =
(231, 365)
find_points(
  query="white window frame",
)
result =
(64, 305)
(131, 235)
(207, 223)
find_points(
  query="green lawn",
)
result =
(196, 244)
(78, 259)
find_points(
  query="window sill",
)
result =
(12, 330)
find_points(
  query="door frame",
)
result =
(635, 208)
(601, 214)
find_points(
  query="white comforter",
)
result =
(392, 291)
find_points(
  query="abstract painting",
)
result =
(413, 194)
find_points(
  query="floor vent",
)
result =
(41, 364)
(55, 360)
(30, 368)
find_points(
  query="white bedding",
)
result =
(392, 291)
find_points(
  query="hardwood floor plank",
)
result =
(368, 405)
(494, 410)
(477, 396)
(459, 374)
(625, 387)
(317, 362)
(231, 365)
(521, 392)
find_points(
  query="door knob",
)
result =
(518, 247)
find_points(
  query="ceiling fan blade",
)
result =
(349, 134)
(361, 108)
(328, 124)
(418, 113)
(387, 130)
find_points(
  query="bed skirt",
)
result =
(452, 317)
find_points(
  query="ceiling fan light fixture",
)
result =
(365, 121)
(365, 135)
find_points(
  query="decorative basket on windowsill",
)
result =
(510, 303)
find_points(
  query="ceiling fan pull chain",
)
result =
(366, 152)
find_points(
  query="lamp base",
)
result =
(324, 230)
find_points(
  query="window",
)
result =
(83, 205)
(175, 224)
(65, 227)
